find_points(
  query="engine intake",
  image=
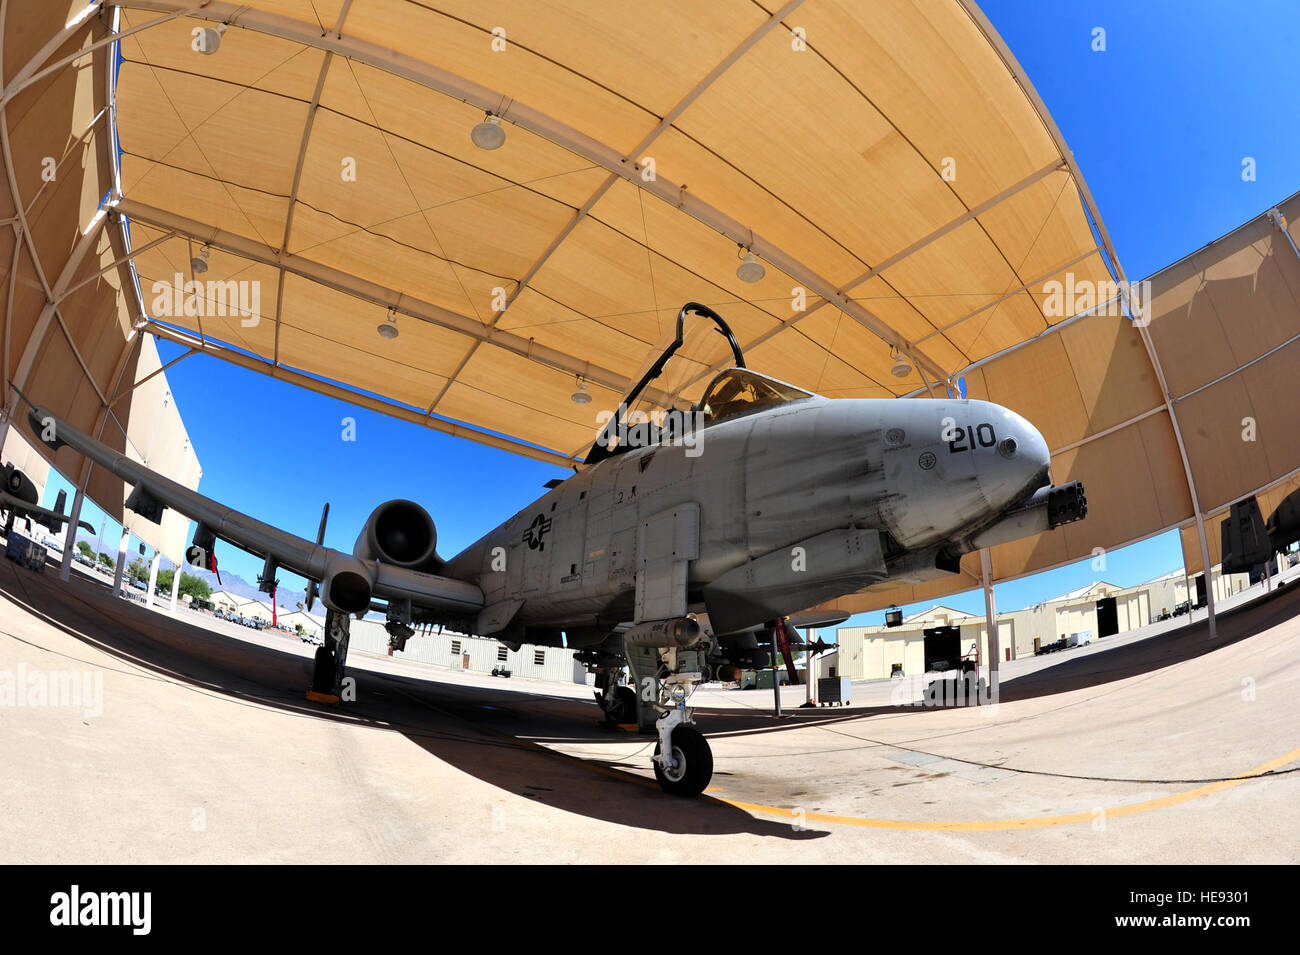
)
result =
(347, 584)
(401, 533)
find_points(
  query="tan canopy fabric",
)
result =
(1268, 501)
(1224, 323)
(882, 161)
(55, 149)
(888, 164)
(1230, 314)
(158, 438)
(68, 340)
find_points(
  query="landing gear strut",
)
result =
(683, 761)
(327, 674)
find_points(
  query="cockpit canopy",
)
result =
(738, 391)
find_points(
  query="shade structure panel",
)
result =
(901, 187)
(465, 49)
(1225, 305)
(889, 164)
(1268, 499)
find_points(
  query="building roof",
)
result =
(935, 610)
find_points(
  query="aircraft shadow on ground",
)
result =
(1067, 671)
(487, 733)
(468, 727)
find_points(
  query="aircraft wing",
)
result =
(42, 515)
(153, 493)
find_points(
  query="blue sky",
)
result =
(1159, 122)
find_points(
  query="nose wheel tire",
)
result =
(694, 763)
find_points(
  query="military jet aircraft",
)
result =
(679, 542)
(18, 498)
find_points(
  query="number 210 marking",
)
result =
(981, 435)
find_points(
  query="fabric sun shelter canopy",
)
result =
(888, 165)
(882, 161)
(68, 340)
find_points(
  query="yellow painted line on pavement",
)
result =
(1029, 822)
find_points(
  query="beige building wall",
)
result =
(867, 653)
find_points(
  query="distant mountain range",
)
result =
(285, 598)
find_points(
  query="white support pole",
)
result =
(153, 578)
(990, 617)
(176, 588)
(70, 538)
(121, 561)
(809, 671)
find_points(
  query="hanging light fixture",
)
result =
(582, 396)
(209, 39)
(388, 328)
(750, 269)
(200, 262)
(488, 134)
(902, 367)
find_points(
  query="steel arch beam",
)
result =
(548, 128)
(981, 22)
(368, 291)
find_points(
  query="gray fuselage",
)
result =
(923, 471)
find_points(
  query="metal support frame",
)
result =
(367, 291)
(991, 619)
(308, 125)
(176, 587)
(31, 73)
(669, 118)
(216, 350)
(67, 293)
(551, 129)
(153, 374)
(991, 35)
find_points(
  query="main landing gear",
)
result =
(327, 673)
(618, 702)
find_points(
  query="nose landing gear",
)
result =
(683, 760)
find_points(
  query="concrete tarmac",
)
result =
(203, 748)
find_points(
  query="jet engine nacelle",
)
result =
(347, 583)
(400, 533)
(20, 485)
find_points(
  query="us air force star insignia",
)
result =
(537, 530)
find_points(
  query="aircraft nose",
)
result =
(1025, 452)
(1013, 456)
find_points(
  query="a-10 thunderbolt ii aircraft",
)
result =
(18, 499)
(676, 541)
